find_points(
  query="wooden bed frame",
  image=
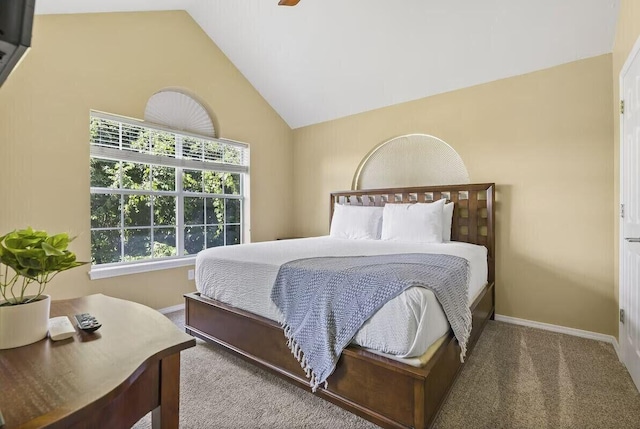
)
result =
(388, 393)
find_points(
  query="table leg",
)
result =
(166, 416)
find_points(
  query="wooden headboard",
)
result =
(473, 213)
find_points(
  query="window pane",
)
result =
(104, 132)
(213, 182)
(233, 211)
(104, 173)
(191, 148)
(105, 246)
(164, 211)
(232, 183)
(105, 210)
(164, 178)
(137, 210)
(137, 244)
(215, 211)
(163, 143)
(193, 240)
(233, 155)
(135, 138)
(214, 236)
(192, 180)
(213, 152)
(164, 242)
(193, 211)
(232, 233)
(136, 176)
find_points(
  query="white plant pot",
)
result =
(25, 323)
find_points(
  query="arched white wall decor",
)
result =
(410, 160)
(179, 111)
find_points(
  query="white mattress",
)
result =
(406, 326)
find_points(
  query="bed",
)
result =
(393, 393)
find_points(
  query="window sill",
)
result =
(97, 273)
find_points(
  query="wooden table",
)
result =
(108, 379)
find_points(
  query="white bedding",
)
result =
(406, 326)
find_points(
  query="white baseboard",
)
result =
(616, 347)
(171, 309)
(562, 330)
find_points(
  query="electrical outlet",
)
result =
(191, 274)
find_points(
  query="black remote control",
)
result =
(87, 322)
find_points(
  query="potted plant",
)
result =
(29, 258)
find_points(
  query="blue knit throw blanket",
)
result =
(325, 301)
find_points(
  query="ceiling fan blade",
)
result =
(288, 2)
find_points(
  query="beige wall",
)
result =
(627, 32)
(545, 139)
(114, 63)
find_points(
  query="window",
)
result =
(159, 194)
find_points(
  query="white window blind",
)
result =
(117, 137)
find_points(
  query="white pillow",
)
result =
(356, 222)
(447, 221)
(413, 222)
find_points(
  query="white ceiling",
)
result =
(325, 59)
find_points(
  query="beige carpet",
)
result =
(517, 378)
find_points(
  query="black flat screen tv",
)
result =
(16, 22)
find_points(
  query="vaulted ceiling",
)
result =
(325, 59)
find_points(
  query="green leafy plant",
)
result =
(34, 257)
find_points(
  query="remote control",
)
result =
(60, 328)
(87, 322)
